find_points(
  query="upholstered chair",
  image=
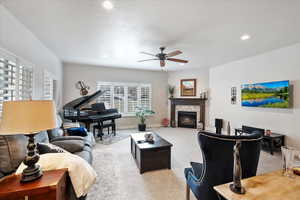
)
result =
(217, 166)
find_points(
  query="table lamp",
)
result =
(28, 118)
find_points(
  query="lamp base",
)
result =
(33, 171)
(238, 190)
(31, 174)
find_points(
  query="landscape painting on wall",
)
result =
(269, 95)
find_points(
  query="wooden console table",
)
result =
(272, 142)
(188, 101)
(270, 186)
(52, 186)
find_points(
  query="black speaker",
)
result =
(219, 125)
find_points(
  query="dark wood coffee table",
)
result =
(150, 156)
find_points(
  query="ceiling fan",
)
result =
(162, 57)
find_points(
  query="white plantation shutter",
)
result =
(48, 86)
(107, 96)
(16, 78)
(119, 98)
(25, 83)
(125, 97)
(146, 96)
(132, 99)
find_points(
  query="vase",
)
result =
(288, 156)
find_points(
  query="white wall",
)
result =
(17, 39)
(281, 64)
(202, 76)
(92, 74)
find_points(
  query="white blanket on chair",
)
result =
(82, 175)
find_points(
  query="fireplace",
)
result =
(187, 119)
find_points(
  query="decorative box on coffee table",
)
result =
(151, 156)
(52, 186)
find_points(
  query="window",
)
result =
(48, 86)
(126, 97)
(16, 79)
(25, 83)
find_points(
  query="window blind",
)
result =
(25, 83)
(125, 97)
(48, 86)
(16, 79)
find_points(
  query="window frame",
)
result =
(20, 84)
(126, 85)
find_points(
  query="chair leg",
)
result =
(187, 192)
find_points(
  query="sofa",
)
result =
(13, 149)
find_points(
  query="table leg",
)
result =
(187, 192)
(271, 145)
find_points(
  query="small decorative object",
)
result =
(171, 91)
(84, 89)
(236, 186)
(228, 128)
(141, 113)
(297, 170)
(188, 87)
(233, 95)
(203, 95)
(28, 118)
(288, 156)
(200, 126)
(165, 122)
(268, 132)
(149, 137)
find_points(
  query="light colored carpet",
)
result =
(119, 178)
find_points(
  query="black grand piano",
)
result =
(81, 110)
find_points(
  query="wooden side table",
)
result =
(52, 186)
(270, 186)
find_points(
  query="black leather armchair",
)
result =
(217, 166)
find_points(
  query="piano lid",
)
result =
(79, 102)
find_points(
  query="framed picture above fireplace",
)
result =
(188, 87)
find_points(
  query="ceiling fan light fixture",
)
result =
(108, 5)
(182, 64)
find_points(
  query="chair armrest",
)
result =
(197, 169)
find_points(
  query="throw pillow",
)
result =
(71, 146)
(49, 148)
(81, 131)
(67, 125)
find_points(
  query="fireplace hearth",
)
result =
(187, 119)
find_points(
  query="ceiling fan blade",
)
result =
(162, 63)
(174, 53)
(147, 60)
(177, 60)
(150, 54)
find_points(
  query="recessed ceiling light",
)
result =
(108, 5)
(104, 56)
(245, 37)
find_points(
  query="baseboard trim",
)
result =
(135, 126)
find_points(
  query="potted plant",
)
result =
(141, 114)
(171, 91)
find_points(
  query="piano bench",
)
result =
(101, 126)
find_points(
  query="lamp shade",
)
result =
(27, 117)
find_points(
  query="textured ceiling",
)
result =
(207, 31)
